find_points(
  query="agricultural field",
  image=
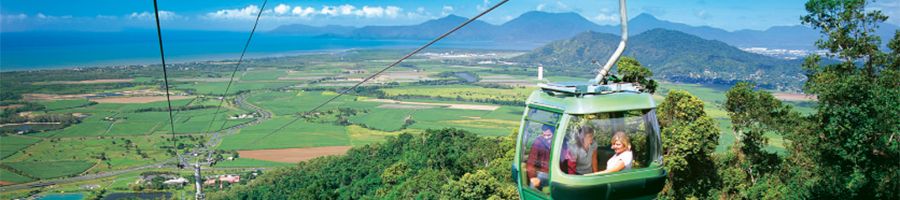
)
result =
(50, 169)
(64, 104)
(7, 176)
(10, 145)
(462, 92)
(109, 153)
(296, 135)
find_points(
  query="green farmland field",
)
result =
(10, 145)
(384, 119)
(287, 103)
(8, 176)
(118, 152)
(297, 135)
(462, 91)
(217, 88)
(262, 75)
(51, 169)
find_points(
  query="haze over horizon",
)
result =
(110, 16)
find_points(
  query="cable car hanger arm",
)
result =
(623, 17)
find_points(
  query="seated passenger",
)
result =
(585, 151)
(623, 158)
(539, 158)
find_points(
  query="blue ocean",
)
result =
(41, 50)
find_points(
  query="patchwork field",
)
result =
(297, 135)
(10, 145)
(293, 155)
(50, 169)
(7, 177)
(110, 153)
(461, 92)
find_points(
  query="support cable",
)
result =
(410, 54)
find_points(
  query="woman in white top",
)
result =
(623, 158)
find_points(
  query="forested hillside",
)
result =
(673, 56)
(438, 164)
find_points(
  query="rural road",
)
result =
(240, 100)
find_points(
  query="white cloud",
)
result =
(329, 10)
(248, 12)
(8, 18)
(540, 7)
(483, 6)
(371, 12)
(446, 10)
(303, 12)
(392, 11)
(347, 9)
(702, 14)
(109, 17)
(282, 9)
(606, 18)
(163, 15)
(288, 12)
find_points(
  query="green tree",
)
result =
(477, 186)
(632, 71)
(747, 170)
(689, 136)
(852, 151)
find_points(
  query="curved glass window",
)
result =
(610, 142)
(540, 126)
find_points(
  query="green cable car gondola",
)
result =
(592, 140)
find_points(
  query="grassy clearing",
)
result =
(8, 176)
(10, 145)
(297, 135)
(51, 169)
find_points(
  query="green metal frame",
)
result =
(641, 183)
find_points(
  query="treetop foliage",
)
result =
(854, 139)
(632, 71)
(689, 138)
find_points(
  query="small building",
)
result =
(176, 181)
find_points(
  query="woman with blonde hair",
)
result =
(623, 158)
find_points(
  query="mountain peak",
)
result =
(647, 19)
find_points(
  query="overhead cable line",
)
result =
(410, 54)
(162, 56)
(234, 71)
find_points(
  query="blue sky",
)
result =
(237, 15)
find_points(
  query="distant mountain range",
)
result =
(537, 28)
(671, 55)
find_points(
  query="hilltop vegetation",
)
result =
(672, 56)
